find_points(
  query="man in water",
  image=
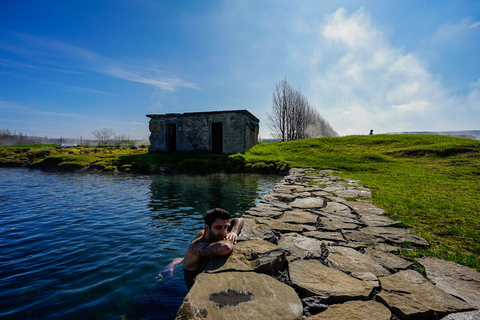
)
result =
(217, 239)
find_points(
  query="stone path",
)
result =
(308, 252)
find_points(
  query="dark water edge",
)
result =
(95, 246)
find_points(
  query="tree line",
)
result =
(8, 138)
(107, 136)
(102, 136)
(293, 117)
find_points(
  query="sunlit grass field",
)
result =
(429, 182)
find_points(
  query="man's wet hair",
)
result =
(215, 214)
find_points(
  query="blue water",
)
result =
(93, 246)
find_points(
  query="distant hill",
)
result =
(471, 134)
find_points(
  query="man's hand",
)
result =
(235, 227)
(232, 236)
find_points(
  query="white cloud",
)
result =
(355, 32)
(369, 84)
(413, 106)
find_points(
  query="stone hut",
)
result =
(230, 132)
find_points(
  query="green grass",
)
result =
(430, 183)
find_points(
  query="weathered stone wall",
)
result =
(306, 251)
(251, 133)
(194, 131)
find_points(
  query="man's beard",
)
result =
(213, 238)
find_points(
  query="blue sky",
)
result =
(70, 67)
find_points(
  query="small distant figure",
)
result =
(371, 132)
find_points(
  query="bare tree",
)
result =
(9, 138)
(121, 138)
(293, 117)
(104, 135)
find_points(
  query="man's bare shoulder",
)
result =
(203, 248)
(198, 235)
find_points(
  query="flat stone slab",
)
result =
(332, 224)
(308, 203)
(389, 261)
(246, 255)
(321, 193)
(397, 236)
(335, 187)
(354, 193)
(345, 219)
(301, 247)
(336, 199)
(307, 189)
(326, 236)
(240, 295)
(349, 260)
(285, 197)
(373, 220)
(358, 310)
(312, 278)
(472, 315)
(359, 236)
(265, 211)
(368, 277)
(364, 208)
(282, 189)
(272, 203)
(339, 209)
(453, 278)
(282, 226)
(298, 217)
(251, 230)
(410, 296)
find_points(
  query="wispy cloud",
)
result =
(456, 33)
(476, 24)
(27, 66)
(15, 108)
(133, 74)
(51, 55)
(56, 84)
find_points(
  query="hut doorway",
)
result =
(172, 137)
(217, 137)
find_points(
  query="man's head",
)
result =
(216, 223)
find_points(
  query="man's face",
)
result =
(218, 231)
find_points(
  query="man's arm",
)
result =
(219, 248)
(236, 225)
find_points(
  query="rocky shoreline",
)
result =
(307, 252)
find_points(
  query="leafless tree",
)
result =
(121, 138)
(104, 135)
(293, 117)
(9, 138)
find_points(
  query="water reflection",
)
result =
(85, 246)
(235, 192)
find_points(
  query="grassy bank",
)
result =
(130, 159)
(430, 183)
